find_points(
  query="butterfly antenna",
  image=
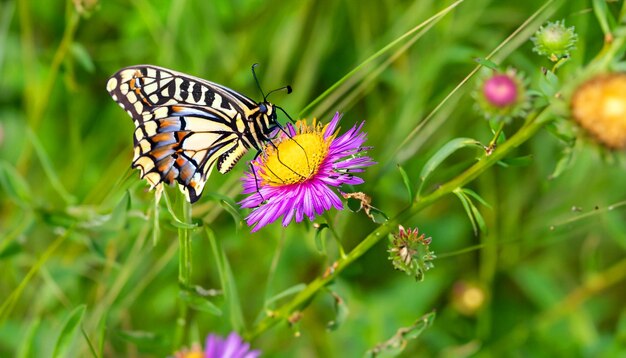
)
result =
(285, 112)
(258, 84)
(287, 88)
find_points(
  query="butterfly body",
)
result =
(184, 125)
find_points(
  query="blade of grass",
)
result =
(10, 300)
(375, 56)
(227, 280)
(70, 327)
(7, 10)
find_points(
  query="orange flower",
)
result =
(599, 106)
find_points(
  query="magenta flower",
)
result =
(217, 347)
(502, 96)
(296, 174)
(231, 347)
(500, 90)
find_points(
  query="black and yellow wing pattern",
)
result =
(184, 125)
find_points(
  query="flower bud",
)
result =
(554, 40)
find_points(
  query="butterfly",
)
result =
(185, 126)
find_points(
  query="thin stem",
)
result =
(335, 235)
(184, 239)
(184, 268)
(301, 299)
(37, 95)
(494, 141)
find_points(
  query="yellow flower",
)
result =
(599, 106)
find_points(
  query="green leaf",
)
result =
(227, 279)
(102, 326)
(286, 293)
(487, 63)
(71, 325)
(396, 344)
(354, 204)
(562, 129)
(378, 216)
(474, 195)
(14, 185)
(472, 212)
(231, 208)
(341, 312)
(228, 204)
(12, 248)
(117, 219)
(92, 349)
(199, 303)
(442, 154)
(320, 243)
(522, 161)
(145, 340)
(549, 84)
(82, 57)
(407, 182)
(620, 334)
(604, 17)
(478, 217)
(181, 225)
(29, 340)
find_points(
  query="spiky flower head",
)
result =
(297, 173)
(599, 106)
(554, 40)
(501, 96)
(409, 252)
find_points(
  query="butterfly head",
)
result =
(267, 114)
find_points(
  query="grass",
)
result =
(90, 265)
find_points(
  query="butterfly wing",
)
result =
(184, 125)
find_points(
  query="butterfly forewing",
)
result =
(186, 125)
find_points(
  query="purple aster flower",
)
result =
(296, 174)
(231, 347)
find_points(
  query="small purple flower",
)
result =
(296, 174)
(231, 347)
(502, 96)
(500, 90)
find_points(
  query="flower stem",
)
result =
(184, 239)
(184, 268)
(304, 297)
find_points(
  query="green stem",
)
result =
(494, 141)
(37, 95)
(301, 299)
(184, 239)
(184, 269)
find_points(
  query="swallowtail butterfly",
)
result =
(184, 125)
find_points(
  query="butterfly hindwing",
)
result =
(184, 125)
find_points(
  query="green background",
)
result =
(550, 264)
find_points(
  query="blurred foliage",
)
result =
(77, 227)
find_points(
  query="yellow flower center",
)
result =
(296, 159)
(599, 106)
(194, 355)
